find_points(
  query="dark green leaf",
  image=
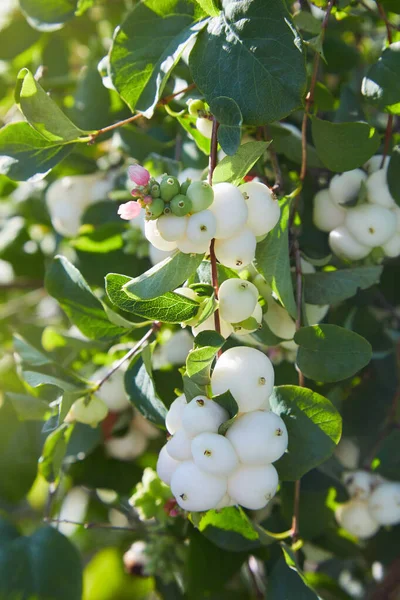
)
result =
(140, 387)
(314, 427)
(229, 117)
(92, 102)
(330, 353)
(16, 37)
(232, 169)
(393, 174)
(54, 452)
(273, 262)
(344, 146)
(66, 284)
(140, 65)
(285, 583)
(381, 85)
(42, 113)
(388, 456)
(206, 346)
(24, 153)
(49, 15)
(30, 567)
(163, 277)
(287, 141)
(257, 39)
(331, 287)
(169, 308)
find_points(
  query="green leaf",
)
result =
(228, 402)
(232, 169)
(25, 154)
(314, 427)
(229, 117)
(30, 567)
(141, 64)
(393, 174)
(287, 141)
(344, 146)
(19, 452)
(331, 287)
(206, 346)
(49, 15)
(257, 39)
(140, 387)
(381, 85)
(285, 582)
(388, 457)
(65, 283)
(168, 308)
(306, 21)
(16, 37)
(28, 408)
(209, 6)
(273, 262)
(53, 454)
(163, 277)
(192, 387)
(42, 113)
(331, 353)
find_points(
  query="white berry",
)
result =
(112, 391)
(203, 415)
(209, 325)
(204, 126)
(196, 490)
(173, 420)
(171, 227)
(229, 209)
(375, 163)
(187, 246)
(127, 447)
(263, 207)
(247, 373)
(345, 187)
(384, 503)
(326, 214)
(237, 251)
(279, 321)
(153, 235)
(392, 246)
(179, 446)
(213, 453)
(253, 486)
(359, 484)
(355, 518)
(259, 438)
(378, 189)
(166, 465)
(201, 227)
(344, 245)
(257, 315)
(237, 300)
(370, 225)
(91, 413)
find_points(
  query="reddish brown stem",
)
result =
(278, 185)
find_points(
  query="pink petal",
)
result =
(138, 175)
(147, 199)
(129, 210)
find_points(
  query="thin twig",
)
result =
(389, 125)
(128, 355)
(162, 102)
(278, 185)
(214, 272)
(22, 284)
(89, 525)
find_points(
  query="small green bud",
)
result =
(155, 209)
(194, 106)
(169, 187)
(91, 412)
(185, 185)
(155, 190)
(181, 205)
(201, 194)
(167, 208)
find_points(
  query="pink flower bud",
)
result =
(138, 175)
(136, 193)
(129, 210)
(147, 199)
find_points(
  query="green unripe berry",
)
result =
(201, 195)
(155, 190)
(185, 185)
(167, 208)
(169, 187)
(155, 209)
(194, 106)
(181, 205)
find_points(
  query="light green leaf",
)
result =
(330, 287)
(141, 64)
(28, 408)
(305, 20)
(169, 308)
(53, 453)
(257, 39)
(25, 154)
(42, 113)
(48, 15)
(206, 346)
(381, 85)
(229, 117)
(163, 277)
(232, 169)
(393, 174)
(209, 6)
(314, 427)
(65, 283)
(331, 353)
(272, 259)
(344, 146)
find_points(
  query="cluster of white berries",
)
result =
(374, 502)
(207, 470)
(373, 223)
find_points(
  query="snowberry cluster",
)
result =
(374, 502)
(208, 470)
(359, 213)
(188, 216)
